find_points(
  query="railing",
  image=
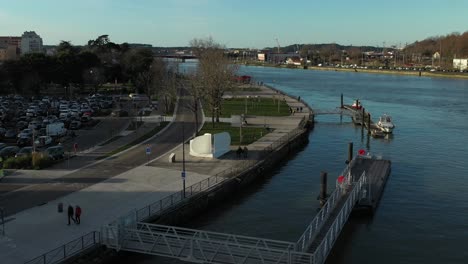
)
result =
(322, 251)
(207, 247)
(303, 243)
(68, 250)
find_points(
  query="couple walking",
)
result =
(76, 212)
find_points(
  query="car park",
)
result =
(8, 152)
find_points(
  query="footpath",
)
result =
(40, 229)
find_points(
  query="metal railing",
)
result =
(201, 246)
(324, 248)
(304, 242)
(68, 250)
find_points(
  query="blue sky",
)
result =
(235, 23)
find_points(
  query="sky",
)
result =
(235, 23)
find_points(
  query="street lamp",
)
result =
(183, 158)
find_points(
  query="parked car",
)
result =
(24, 152)
(145, 111)
(3, 145)
(24, 141)
(27, 132)
(75, 125)
(43, 141)
(10, 134)
(119, 113)
(56, 129)
(55, 152)
(8, 152)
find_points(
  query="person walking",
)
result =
(77, 214)
(70, 214)
(246, 152)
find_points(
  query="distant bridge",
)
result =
(181, 57)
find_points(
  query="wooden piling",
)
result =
(350, 152)
(368, 123)
(342, 105)
(323, 188)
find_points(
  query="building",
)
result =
(9, 48)
(460, 64)
(31, 43)
(10, 41)
(294, 60)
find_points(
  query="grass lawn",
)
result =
(255, 106)
(249, 134)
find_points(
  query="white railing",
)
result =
(314, 227)
(324, 248)
(201, 246)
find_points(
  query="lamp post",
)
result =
(183, 158)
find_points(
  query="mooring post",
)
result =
(350, 152)
(368, 123)
(341, 100)
(323, 188)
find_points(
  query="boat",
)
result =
(385, 124)
(357, 105)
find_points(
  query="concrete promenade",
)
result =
(38, 229)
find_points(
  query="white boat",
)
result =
(385, 124)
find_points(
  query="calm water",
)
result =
(423, 214)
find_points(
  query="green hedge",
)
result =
(25, 162)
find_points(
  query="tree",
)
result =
(135, 62)
(214, 73)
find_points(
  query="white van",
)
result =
(56, 129)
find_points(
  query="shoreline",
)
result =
(372, 71)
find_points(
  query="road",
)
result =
(39, 194)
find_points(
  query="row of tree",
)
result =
(99, 62)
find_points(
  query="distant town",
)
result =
(446, 53)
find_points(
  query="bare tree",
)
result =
(214, 74)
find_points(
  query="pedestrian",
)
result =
(77, 214)
(70, 214)
(239, 151)
(298, 98)
(297, 109)
(300, 108)
(246, 152)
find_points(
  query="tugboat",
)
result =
(385, 124)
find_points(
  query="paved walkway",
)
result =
(32, 232)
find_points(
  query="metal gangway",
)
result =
(200, 246)
(335, 111)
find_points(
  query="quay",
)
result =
(150, 229)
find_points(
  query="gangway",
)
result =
(201, 246)
(362, 175)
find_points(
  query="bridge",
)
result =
(181, 57)
(364, 180)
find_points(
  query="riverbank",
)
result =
(450, 75)
(134, 188)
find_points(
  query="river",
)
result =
(423, 214)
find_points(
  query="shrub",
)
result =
(24, 162)
(41, 161)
